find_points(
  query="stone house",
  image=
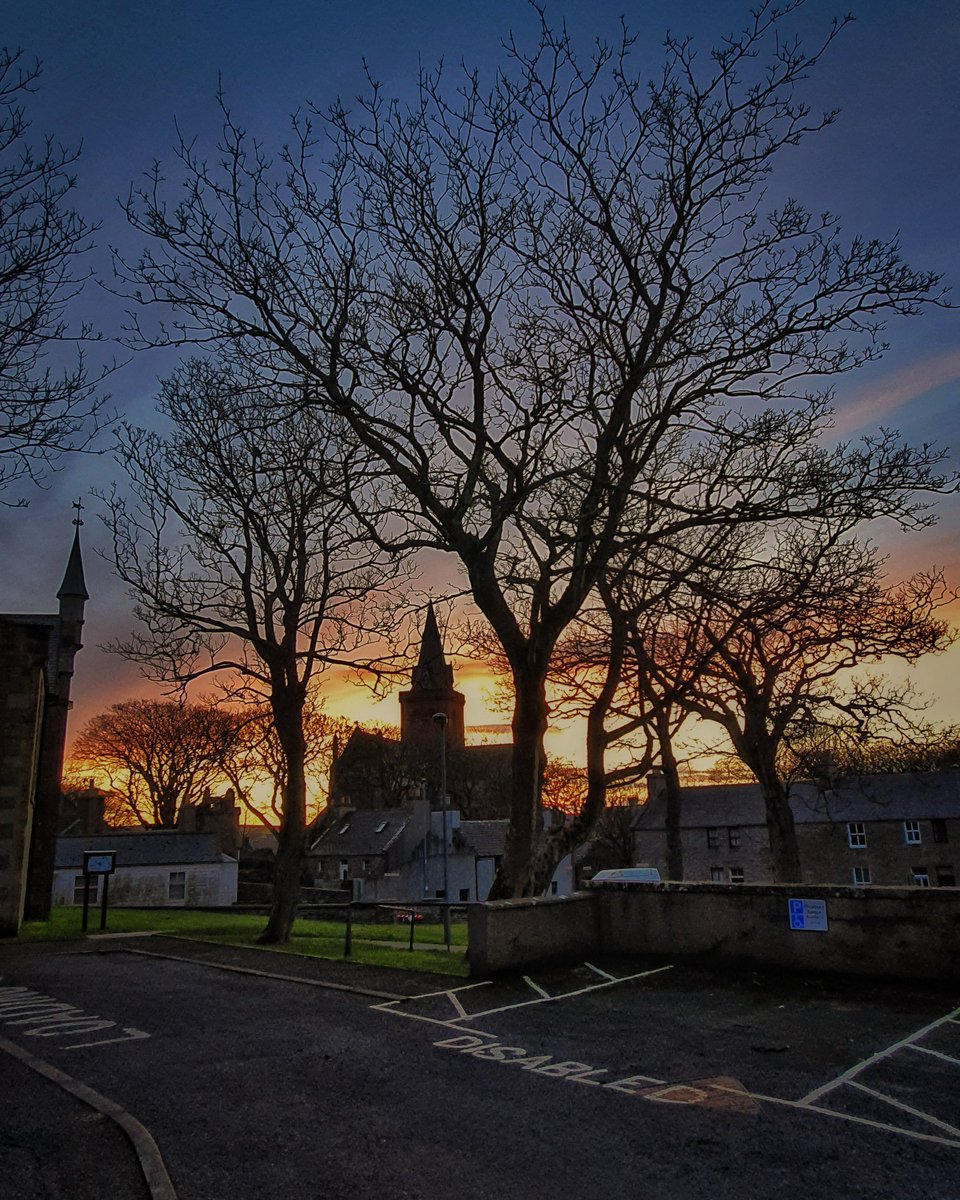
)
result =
(154, 868)
(892, 830)
(396, 855)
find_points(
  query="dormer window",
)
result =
(381, 827)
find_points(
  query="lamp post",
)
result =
(440, 720)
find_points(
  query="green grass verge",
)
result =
(317, 939)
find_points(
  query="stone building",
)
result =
(890, 830)
(37, 652)
(374, 771)
(397, 856)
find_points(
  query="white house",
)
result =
(154, 868)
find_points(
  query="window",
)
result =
(177, 885)
(856, 835)
(716, 874)
(554, 887)
(381, 827)
(79, 886)
(344, 867)
(464, 893)
(939, 827)
(911, 833)
(713, 839)
(733, 837)
(736, 874)
(439, 894)
(343, 829)
(946, 876)
(861, 876)
(365, 863)
(920, 876)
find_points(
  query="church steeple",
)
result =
(74, 586)
(432, 669)
(431, 691)
(73, 596)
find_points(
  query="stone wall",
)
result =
(507, 934)
(23, 652)
(910, 933)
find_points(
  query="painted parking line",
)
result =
(850, 1079)
(33, 1014)
(402, 1007)
(545, 998)
(934, 1054)
(854, 1071)
(719, 1093)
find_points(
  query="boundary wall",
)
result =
(902, 933)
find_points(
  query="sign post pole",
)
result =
(97, 864)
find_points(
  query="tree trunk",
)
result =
(516, 876)
(760, 756)
(673, 800)
(288, 718)
(784, 851)
(566, 838)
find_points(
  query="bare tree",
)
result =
(259, 760)
(778, 642)
(157, 755)
(45, 410)
(247, 562)
(542, 306)
(843, 746)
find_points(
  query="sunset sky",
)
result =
(118, 75)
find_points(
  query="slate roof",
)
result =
(913, 796)
(486, 838)
(359, 832)
(142, 848)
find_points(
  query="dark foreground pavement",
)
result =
(618, 1079)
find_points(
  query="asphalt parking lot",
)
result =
(619, 1079)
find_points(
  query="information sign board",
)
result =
(808, 915)
(99, 862)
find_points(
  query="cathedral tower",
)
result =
(431, 691)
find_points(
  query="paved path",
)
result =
(612, 1079)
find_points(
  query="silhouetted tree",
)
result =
(45, 410)
(157, 755)
(778, 641)
(247, 559)
(549, 308)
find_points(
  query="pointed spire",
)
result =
(73, 585)
(432, 670)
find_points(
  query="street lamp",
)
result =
(440, 720)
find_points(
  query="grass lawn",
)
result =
(319, 939)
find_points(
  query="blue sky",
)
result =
(118, 74)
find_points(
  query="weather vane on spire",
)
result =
(78, 505)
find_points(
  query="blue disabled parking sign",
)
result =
(808, 915)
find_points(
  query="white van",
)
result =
(628, 875)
